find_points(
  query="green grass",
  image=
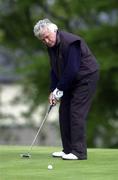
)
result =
(102, 164)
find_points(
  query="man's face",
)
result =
(48, 38)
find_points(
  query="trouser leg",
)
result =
(81, 100)
(64, 120)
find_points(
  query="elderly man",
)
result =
(74, 76)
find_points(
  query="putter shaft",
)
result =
(42, 123)
(27, 155)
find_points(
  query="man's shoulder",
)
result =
(69, 37)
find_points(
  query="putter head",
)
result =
(25, 155)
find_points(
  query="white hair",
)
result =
(41, 25)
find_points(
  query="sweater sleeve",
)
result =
(54, 80)
(71, 68)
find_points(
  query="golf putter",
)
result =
(28, 155)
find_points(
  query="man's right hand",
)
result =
(52, 99)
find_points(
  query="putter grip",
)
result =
(50, 107)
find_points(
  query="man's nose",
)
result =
(46, 40)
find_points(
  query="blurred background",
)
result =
(24, 69)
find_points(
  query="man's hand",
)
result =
(57, 94)
(52, 99)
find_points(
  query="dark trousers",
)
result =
(73, 111)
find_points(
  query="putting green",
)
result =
(102, 164)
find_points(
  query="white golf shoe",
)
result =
(58, 154)
(69, 156)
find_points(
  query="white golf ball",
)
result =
(50, 167)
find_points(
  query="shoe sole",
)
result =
(69, 159)
(56, 156)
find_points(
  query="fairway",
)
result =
(102, 164)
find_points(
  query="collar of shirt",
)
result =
(57, 41)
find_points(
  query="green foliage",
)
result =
(97, 22)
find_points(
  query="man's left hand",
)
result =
(57, 94)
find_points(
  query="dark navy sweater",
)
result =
(70, 69)
(70, 59)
